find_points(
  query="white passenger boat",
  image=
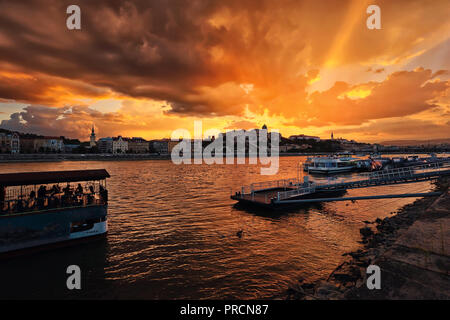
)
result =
(328, 165)
(34, 217)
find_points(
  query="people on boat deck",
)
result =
(104, 194)
(55, 189)
(67, 190)
(79, 189)
(52, 198)
(90, 196)
(42, 193)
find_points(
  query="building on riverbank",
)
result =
(302, 137)
(294, 147)
(105, 145)
(162, 146)
(137, 145)
(119, 145)
(41, 144)
(9, 143)
(51, 144)
(113, 145)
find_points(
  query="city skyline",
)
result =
(144, 70)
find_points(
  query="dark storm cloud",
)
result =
(140, 49)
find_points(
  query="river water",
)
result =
(172, 235)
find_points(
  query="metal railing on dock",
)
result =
(409, 171)
(295, 193)
(392, 176)
(267, 185)
(285, 189)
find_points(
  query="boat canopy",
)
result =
(32, 178)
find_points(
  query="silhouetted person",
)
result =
(42, 192)
(67, 195)
(55, 189)
(90, 196)
(31, 201)
(79, 189)
(67, 190)
(19, 207)
(104, 195)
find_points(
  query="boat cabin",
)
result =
(41, 191)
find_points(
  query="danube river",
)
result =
(173, 235)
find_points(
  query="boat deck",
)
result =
(262, 198)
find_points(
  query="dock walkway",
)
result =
(285, 191)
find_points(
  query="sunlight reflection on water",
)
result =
(172, 235)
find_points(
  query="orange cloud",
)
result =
(191, 61)
(402, 93)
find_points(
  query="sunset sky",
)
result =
(145, 68)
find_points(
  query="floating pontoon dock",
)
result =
(292, 191)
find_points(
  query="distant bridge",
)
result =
(290, 191)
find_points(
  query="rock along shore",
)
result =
(412, 249)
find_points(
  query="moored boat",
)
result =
(40, 210)
(328, 165)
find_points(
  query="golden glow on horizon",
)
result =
(301, 67)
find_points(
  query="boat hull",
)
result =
(43, 229)
(330, 170)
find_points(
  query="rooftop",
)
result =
(44, 177)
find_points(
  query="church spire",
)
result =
(92, 142)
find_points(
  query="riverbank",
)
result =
(412, 249)
(50, 157)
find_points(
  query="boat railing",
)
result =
(296, 192)
(272, 184)
(396, 173)
(25, 205)
(409, 171)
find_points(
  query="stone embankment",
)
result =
(412, 249)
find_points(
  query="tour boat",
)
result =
(40, 210)
(329, 165)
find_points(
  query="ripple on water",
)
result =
(172, 235)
